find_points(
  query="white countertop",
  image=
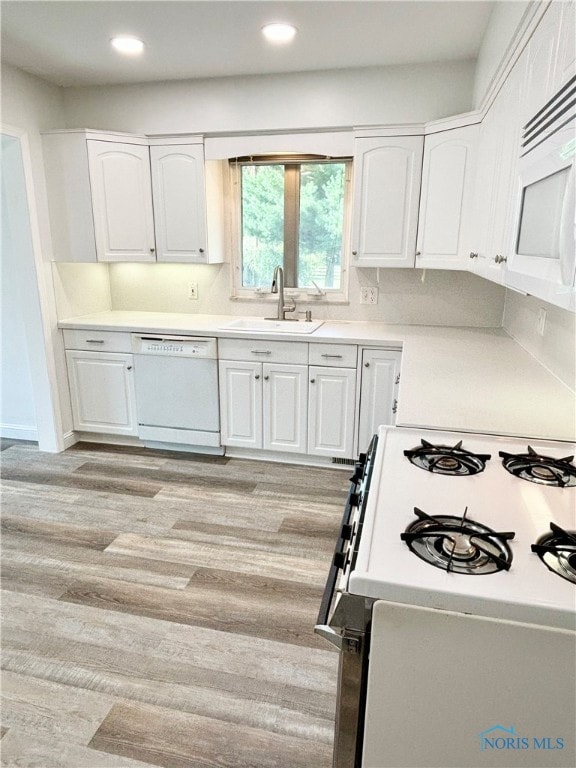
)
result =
(460, 379)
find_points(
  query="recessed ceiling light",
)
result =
(279, 32)
(131, 46)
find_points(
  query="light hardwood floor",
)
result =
(158, 610)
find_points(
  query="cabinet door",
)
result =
(332, 406)
(484, 196)
(241, 403)
(102, 392)
(179, 203)
(566, 61)
(446, 202)
(379, 382)
(121, 201)
(285, 407)
(542, 52)
(505, 190)
(497, 181)
(386, 191)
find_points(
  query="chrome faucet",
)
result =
(278, 287)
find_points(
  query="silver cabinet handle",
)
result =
(354, 253)
(333, 357)
(418, 253)
(261, 351)
(366, 365)
(257, 376)
(312, 381)
(395, 406)
(128, 367)
(266, 378)
(397, 379)
(95, 341)
(499, 259)
(473, 255)
(152, 250)
(200, 250)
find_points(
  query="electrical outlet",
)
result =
(541, 324)
(368, 295)
(193, 290)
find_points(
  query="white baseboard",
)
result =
(19, 432)
(69, 438)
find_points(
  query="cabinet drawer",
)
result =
(293, 352)
(97, 341)
(337, 355)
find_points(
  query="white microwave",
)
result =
(544, 248)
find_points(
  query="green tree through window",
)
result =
(292, 214)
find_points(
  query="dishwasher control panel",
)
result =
(174, 346)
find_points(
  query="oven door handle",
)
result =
(322, 627)
(326, 631)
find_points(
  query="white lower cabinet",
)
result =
(291, 403)
(379, 381)
(263, 405)
(332, 399)
(102, 392)
(240, 403)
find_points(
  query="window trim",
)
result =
(304, 294)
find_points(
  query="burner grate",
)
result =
(447, 460)
(557, 550)
(537, 468)
(457, 544)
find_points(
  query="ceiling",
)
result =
(67, 43)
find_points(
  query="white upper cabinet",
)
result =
(497, 182)
(541, 73)
(387, 173)
(180, 211)
(446, 203)
(121, 201)
(566, 61)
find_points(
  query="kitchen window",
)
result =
(292, 211)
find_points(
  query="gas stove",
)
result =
(477, 524)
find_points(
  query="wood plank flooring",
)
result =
(158, 610)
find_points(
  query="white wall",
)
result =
(31, 105)
(406, 296)
(17, 411)
(556, 349)
(340, 98)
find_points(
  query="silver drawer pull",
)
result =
(333, 357)
(261, 351)
(95, 341)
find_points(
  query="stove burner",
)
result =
(444, 460)
(557, 550)
(458, 545)
(536, 468)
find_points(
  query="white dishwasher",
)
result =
(176, 379)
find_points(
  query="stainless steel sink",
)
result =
(262, 325)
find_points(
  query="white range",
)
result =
(452, 598)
